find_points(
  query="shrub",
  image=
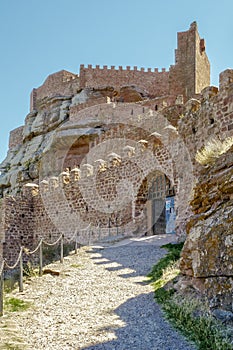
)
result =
(165, 262)
(212, 150)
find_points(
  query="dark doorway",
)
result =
(160, 205)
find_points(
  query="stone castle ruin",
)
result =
(115, 150)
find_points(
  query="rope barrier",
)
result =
(91, 231)
(86, 228)
(51, 244)
(72, 238)
(28, 252)
(17, 261)
(33, 251)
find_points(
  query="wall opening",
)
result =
(156, 196)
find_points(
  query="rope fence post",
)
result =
(41, 259)
(89, 235)
(21, 271)
(76, 243)
(62, 249)
(1, 288)
(99, 231)
(117, 229)
(109, 227)
(20, 262)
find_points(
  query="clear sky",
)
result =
(38, 38)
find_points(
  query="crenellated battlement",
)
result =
(120, 68)
(187, 77)
(153, 81)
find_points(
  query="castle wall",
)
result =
(185, 61)
(210, 118)
(191, 72)
(18, 226)
(202, 70)
(154, 82)
(16, 137)
(68, 205)
(62, 83)
(188, 76)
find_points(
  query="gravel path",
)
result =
(99, 301)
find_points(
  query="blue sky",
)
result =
(38, 38)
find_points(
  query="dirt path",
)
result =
(100, 300)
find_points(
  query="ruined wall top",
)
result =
(60, 83)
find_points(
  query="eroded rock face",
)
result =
(207, 256)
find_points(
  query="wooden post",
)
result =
(62, 249)
(76, 243)
(99, 231)
(89, 236)
(41, 259)
(21, 272)
(117, 230)
(1, 289)
(109, 227)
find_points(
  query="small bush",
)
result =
(212, 150)
(29, 270)
(166, 261)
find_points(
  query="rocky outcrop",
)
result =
(207, 256)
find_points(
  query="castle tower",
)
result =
(191, 72)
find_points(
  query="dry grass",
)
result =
(212, 150)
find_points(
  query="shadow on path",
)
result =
(145, 327)
(139, 255)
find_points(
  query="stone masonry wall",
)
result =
(156, 83)
(209, 118)
(62, 83)
(99, 194)
(18, 226)
(202, 71)
(191, 72)
(16, 137)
